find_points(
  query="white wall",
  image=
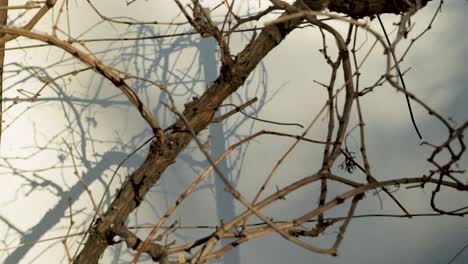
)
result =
(89, 113)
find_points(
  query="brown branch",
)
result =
(344, 226)
(3, 22)
(28, 5)
(363, 8)
(162, 155)
(202, 176)
(99, 67)
(367, 169)
(326, 162)
(156, 251)
(262, 231)
(49, 4)
(200, 257)
(343, 57)
(234, 111)
(65, 240)
(196, 117)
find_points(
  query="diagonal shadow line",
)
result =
(224, 202)
(54, 215)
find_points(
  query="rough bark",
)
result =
(363, 8)
(199, 114)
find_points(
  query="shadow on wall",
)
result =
(157, 63)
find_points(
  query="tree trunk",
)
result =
(363, 8)
(199, 114)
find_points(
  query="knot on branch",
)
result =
(235, 75)
(51, 3)
(156, 251)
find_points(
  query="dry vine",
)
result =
(111, 214)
